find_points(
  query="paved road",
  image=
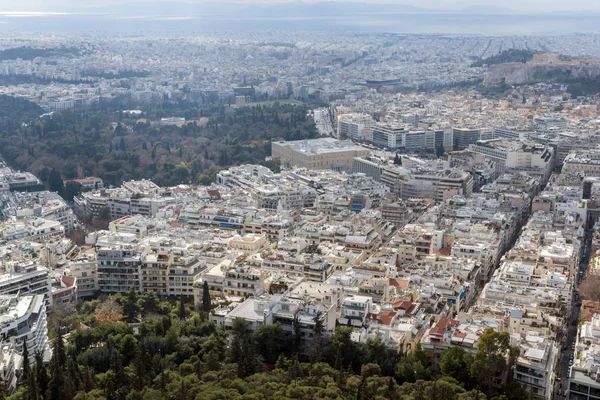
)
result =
(562, 368)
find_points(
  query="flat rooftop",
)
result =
(320, 146)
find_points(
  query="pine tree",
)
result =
(182, 312)
(130, 305)
(55, 182)
(57, 380)
(72, 370)
(397, 159)
(319, 326)
(296, 332)
(206, 301)
(140, 363)
(295, 370)
(440, 150)
(41, 375)
(26, 366)
(59, 348)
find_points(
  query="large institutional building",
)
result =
(324, 153)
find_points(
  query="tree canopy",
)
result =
(191, 358)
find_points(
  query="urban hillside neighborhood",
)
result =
(299, 216)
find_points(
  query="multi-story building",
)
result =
(153, 272)
(511, 156)
(243, 280)
(420, 141)
(85, 271)
(183, 272)
(23, 318)
(118, 268)
(584, 378)
(534, 367)
(25, 277)
(324, 153)
(11, 364)
(427, 183)
(547, 124)
(369, 166)
(35, 229)
(354, 126)
(463, 137)
(390, 136)
(587, 162)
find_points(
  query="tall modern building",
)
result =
(463, 137)
(354, 126)
(418, 141)
(388, 135)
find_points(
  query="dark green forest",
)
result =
(583, 87)
(29, 53)
(177, 354)
(506, 56)
(15, 110)
(18, 79)
(117, 146)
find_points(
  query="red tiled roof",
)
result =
(446, 323)
(384, 317)
(402, 305)
(444, 251)
(436, 330)
(68, 280)
(401, 283)
(214, 193)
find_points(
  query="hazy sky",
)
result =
(523, 5)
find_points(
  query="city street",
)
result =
(562, 369)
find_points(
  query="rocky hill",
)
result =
(543, 68)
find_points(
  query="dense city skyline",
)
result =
(299, 201)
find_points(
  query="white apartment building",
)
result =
(243, 280)
(118, 268)
(11, 364)
(26, 278)
(354, 126)
(355, 309)
(23, 318)
(389, 136)
(584, 380)
(534, 368)
(86, 272)
(183, 272)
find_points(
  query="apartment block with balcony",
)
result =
(183, 272)
(154, 271)
(23, 318)
(11, 364)
(243, 280)
(118, 268)
(26, 277)
(534, 367)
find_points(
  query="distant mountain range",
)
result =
(297, 9)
